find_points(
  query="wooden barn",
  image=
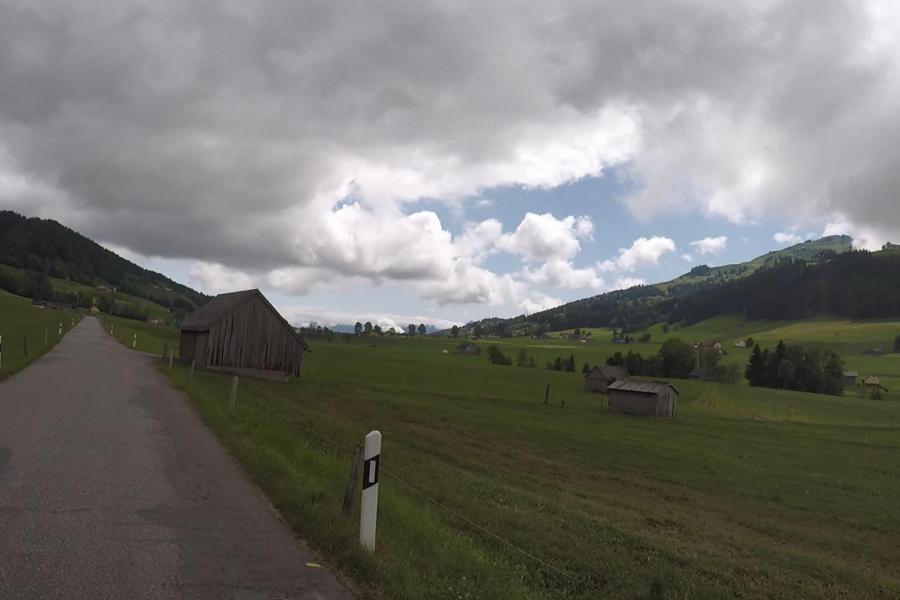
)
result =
(598, 378)
(242, 333)
(850, 378)
(643, 398)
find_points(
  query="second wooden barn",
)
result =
(241, 332)
(643, 398)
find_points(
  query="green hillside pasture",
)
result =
(749, 493)
(150, 338)
(20, 323)
(72, 287)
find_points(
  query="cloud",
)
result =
(623, 283)
(787, 237)
(544, 237)
(216, 278)
(242, 135)
(687, 258)
(711, 245)
(562, 274)
(643, 252)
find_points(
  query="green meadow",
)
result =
(141, 335)
(488, 492)
(28, 332)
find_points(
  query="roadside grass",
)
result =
(150, 338)
(749, 493)
(23, 325)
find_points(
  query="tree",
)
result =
(645, 338)
(616, 360)
(558, 364)
(786, 373)
(357, 329)
(570, 363)
(377, 330)
(749, 342)
(834, 375)
(367, 328)
(756, 367)
(411, 330)
(531, 364)
(422, 329)
(477, 331)
(665, 328)
(577, 332)
(585, 369)
(454, 331)
(709, 358)
(676, 358)
(897, 344)
(496, 357)
(522, 358)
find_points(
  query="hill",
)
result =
(46, 260)
(641, 306)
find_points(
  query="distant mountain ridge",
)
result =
(643, 305)
(46, 247)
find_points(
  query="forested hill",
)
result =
(803, 280)
(53, 250)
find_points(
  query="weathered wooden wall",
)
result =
(252, 337)
(661, 404)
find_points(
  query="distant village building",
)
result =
(740, 344)
(714, 345)
(643, 398)
(850, 378)
(872, 381)
(242, 333)
(599, 378)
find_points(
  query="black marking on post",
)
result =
(370, 471)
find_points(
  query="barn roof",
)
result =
(644, 387)
(606, 372)
(214, 310)
(851, 373)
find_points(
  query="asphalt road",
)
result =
(111, 487)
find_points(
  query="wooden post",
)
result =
(45, 336)
(1, 351)
(170, 361)
(191, 376)
(369, 510)
(25, 344)
(547, 394)
(351, 481)
(232, 398)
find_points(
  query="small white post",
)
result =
(112, 329)
(369, 510)
(60, 328)
(134, 342)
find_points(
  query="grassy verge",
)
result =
(750, 493)
(140, 335)
(29, 332)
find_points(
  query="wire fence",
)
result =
(342, 447)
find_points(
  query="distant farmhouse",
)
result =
(242, 333)
(872, 381)
(740, 344)
(714, 345)
(643, 398)
(599, 378)
(850, 378)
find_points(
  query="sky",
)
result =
(441, 162)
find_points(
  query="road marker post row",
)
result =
(369, 509)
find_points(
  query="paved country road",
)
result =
(111, 487)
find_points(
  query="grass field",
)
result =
(140, 335)
(489, 493)
(26, 328)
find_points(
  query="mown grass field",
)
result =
(749, 493)
(140, 335)
(25, 327)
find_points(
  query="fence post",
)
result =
(369, 510)
(351, 482)
(45, 335)
(547, 394)
(25, 344)
(232, 398)
(1, 351)
(60, 329)
(191, 376)
(170, 361)
(134, 342)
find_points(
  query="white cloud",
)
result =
(687, 258)
(544, 237)
(538, 303)
(643, 252)
(562, 274)
(787, 237)
(216, 278)
(710, 245)
(623, 283)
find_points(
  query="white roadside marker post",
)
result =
(60, 329)
(134, 342)
(369, 510)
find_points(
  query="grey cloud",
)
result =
(226, 131)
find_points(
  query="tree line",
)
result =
(794, 367)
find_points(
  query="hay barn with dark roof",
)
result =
(242, 333)
(599, 378)
(643, 398)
